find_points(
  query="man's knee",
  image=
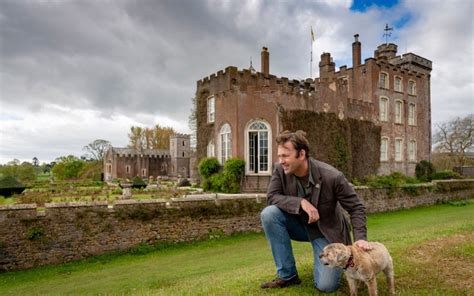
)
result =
(270, 214)
(327, 287)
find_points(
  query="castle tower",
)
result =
(180, 151)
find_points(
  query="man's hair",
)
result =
(298, 139)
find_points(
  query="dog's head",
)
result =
(335, 255)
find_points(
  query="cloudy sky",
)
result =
(72, 71)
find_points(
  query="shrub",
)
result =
(445, 175)
(423, 170)
(35, 233)
(208, 166)
(9, 186)
(138, 182)
(235, 168)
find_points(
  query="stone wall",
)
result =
(65, 232)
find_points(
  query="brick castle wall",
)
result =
(71, 231)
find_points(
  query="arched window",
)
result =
(412, 87)
(225, 143)
(411, 114)
(398, 86)
(398, 149)
(258, 135)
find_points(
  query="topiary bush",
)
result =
(208, 166)
(9, 186)
(138, 182)
(423, 170)
(228, 181)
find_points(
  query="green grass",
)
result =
(237, 265)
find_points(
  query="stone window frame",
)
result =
(399, 116)
(412, 151)
(143, 172)
(128, 169)
(383, 114)
(211, 149)
(225, 143)
(398, 87)
(384, 154)
(211, 109)
(411, 87)
(412, 114)
(398, 155)
(247, 146)
(386, 84)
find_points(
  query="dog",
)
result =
(360, 265)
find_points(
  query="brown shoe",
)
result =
(281, 283)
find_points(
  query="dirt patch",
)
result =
(444, 259)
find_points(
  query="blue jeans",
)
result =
(280, 228)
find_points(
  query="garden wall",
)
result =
(67, 232)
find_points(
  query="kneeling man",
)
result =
(306, 199)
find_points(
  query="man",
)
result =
(305, 201)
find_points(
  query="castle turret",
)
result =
(356, 52)
(386, 51)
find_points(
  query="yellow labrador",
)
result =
(361, 265)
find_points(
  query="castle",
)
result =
(239, 111)
(126, 163)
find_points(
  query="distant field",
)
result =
(433, 251)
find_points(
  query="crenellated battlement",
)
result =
(232, 77)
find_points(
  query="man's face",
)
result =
(289, 159)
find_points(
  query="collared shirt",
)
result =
(304, 189)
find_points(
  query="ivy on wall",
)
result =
(204, 130)
(350, 145)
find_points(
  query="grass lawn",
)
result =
(432, 248)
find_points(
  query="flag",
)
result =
(312, 34)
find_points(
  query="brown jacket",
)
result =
(330, 192)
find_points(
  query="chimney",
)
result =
(265, 61)
(356, 52)
(326, 65)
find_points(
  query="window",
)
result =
(109, 168)
(412, 88)
(226, 143)
(398, 111)
(398, 150)
(211, 149)
(384, 149)
(127, 169)
(143, 172)
(183, 143)
(211, 109)
(383, 108)
(411, 114)
(258, 147)
(183, 153)
(412, 151)
(383, 80)
(398, 84)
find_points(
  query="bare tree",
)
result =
(455, 138)
(96, 150)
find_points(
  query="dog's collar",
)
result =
(350, 262)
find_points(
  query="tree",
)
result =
(96, 150)
(455, 138)
(157, 137)
(25, 172)
(35, 161)
(67, 167)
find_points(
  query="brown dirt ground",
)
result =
(438, 258)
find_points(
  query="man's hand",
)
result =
(312, 212)
(364, 245)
